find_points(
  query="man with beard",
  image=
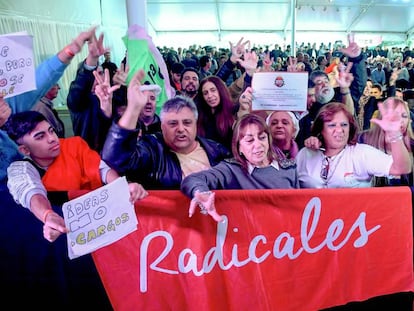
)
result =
(351, 83)
(189, 82)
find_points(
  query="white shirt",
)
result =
(353, 167)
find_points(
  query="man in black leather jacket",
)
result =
(161, 160)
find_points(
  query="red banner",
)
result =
(302, 249)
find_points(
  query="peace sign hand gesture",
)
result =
(353, 50)
(104, 91)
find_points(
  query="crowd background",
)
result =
(209, 60)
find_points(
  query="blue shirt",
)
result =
(47, 74)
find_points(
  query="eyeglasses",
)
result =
(325, 168)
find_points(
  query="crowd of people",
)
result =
(349, 106)
(356, 132)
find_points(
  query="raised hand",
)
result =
(391, 120)
(353, 50)
(345, 77)
(292, 64)
(135, 96)
(5, 111)
(249, 63)
(121, 75)
(83, 37)
(238, 50)
(104, 91)
(245, 101)
(95, 48)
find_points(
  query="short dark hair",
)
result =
(177, 67)
(204, 60)
(177, 103)
(22, 123)
(188, 69)
(317, 73)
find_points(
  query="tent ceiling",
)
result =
(382, 16)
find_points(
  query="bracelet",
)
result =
(345, 93)
(205, 192)
(69, 52)
(396, 138)
(46, 214)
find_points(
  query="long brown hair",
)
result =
(223, 112)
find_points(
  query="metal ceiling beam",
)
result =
(360, 15)
(218, 20)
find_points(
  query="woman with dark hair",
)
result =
(341, 162)
(253, 167)
(216, 111)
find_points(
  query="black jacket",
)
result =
(150, 161)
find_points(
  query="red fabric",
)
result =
(76, 167)
(331, 67)
(140, 272)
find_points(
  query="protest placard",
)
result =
(99, 218)
(17, 71)
(280, 91)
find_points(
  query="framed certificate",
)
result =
(280, 90)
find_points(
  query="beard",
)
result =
(190, 93)
(325, 97)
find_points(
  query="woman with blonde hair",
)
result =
(376, 137)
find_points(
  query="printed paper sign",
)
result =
(280, 91)
(99, 218)
(17, 71)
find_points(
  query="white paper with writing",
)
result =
(280, 90)
(99, 218)
(17, 70)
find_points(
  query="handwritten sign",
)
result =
(17, 73)
(280, 91)
(99, 218)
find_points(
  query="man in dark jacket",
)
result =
(161, 160)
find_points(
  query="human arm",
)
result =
(49, 72)
(358, 69)
(27, 189)
(206, 202)
(54, 224)
(237, 51)
(104, 91)
(245, 101)
(344, 81)
(136, 102)
(95, 49)
(313, 142)
(391, 125)
(121, 75)
(5, 111)
(393, 79)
